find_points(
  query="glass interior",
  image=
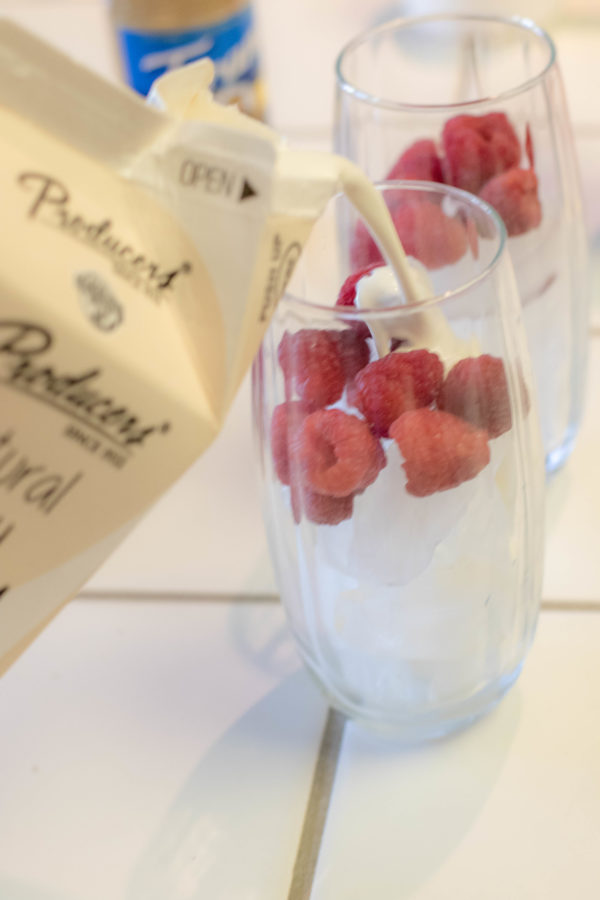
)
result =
(490, 58)
(412, 601)
(331, 251)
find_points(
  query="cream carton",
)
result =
(143, 249)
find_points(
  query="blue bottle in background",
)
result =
(157, 35)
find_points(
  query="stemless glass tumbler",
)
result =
(477, 102)
(402, 464)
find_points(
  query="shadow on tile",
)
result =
(396, 816)
(264, 639)
(232, 832)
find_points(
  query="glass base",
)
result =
(416, 729)
(556, 458)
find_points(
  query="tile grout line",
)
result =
(592, 606)
(317, 807)
(178, 596)
(547, 605)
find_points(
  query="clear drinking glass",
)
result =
(402, 466)
(478, 102)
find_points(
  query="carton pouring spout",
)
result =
(309, 179)
(303, 181)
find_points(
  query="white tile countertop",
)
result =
(507, 809)
(147, 746)
(161, 739)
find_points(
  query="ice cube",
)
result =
(392, 535)
(439, 636)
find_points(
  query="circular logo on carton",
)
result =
(98, 302)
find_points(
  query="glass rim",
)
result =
(521, 23)
(404, 309)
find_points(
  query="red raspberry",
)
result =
(352, 395)
(386, 388)
(514, 196)
(419, 162)
(379, 462)
(337, 453)
(420, 370)
(364, 252)
(429, 235)
(354, 351)
(439, 450)
(311, 365)
(425, 231)
(477, 148)
(347, 294)
(476, 389)
(323, 509)
(285, 422)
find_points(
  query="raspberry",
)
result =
(353, 397)
(364, 252)
(419, 162)
(311, 364)
(347, 294)
(323, 509)
(337, 453)
(347, 297)
(440, 451)
(425, 231)
(353, 350)
(386, 388)
(514, 196)
(478, 147)
(429, 235)
(285, 422)
(476, 389)
(378, 463)
(425, 373)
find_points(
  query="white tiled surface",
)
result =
(508, 810)
(164, 751)
(148, 745)
(572, 568)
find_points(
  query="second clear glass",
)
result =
(483, 97)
